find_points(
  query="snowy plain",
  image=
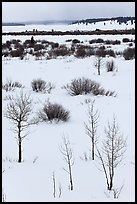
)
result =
(31, 180)
(65, 27)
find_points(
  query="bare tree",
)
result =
(91, 129)
(18, 112)
(66, 150)
(98, 63)
(54, 185)
(113, 149)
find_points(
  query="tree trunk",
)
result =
(93, 133)
(111, 180)
(70, 174)
(20, 154)
(98, 71)
(111, 183)
(92, 148)
(71, 183)
(19, 140)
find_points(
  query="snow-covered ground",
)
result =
(32, 180)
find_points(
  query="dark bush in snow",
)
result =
(38, 55)
(26, 43)
(111, 53)
(129, 53)
(69, 40)
(54, 45)
(83, 86)
(10, 85)
(130, 44)
(99, 40)
(80, 52)
(100, 52)
(113, 42)
(17, 53)
(62, 50)
(75, 41)
(14, 41)
(53, 112)
(124, 40)
(40, 85)
(38, 47)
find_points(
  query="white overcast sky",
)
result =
(30, 11)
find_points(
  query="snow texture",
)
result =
(31, 180)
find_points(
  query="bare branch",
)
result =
(113, 149)
(91, 129)
(66, 150)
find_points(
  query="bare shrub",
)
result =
(5, 46)
(80, 52)
(99, 40)
(19, 46)
(119, 53)
(130, 44)
(38, 47)
(38, 55)
(80, 86)
(75, 41)
(29, 43)
(26, 43)
(16, 53)
(8, 44)
(60, 51)
(83, 86)
(44, 42)
(54, 45)
(39, 85)
(111, 53)
(113, 42)
(110, 66)
(14, 41)
(69, 40)
(124, 40)
(129, 53)
(100, 52)
(10, 85)
(53, 112)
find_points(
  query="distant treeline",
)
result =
(95, 20)
(13, 24)
(76, 32)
